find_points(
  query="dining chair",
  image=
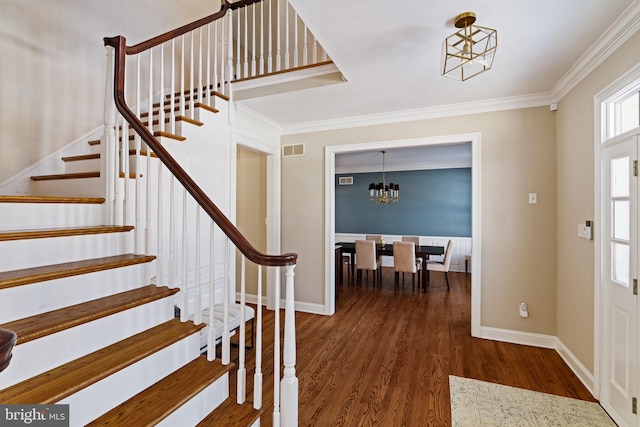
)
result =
(442, 265)
(366, 260)
(415, 240)
(404, 261)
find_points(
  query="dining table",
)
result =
(423, 251)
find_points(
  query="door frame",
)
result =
(330, 172)
(273, 197)
(601, 142)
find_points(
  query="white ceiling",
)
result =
(389, 53)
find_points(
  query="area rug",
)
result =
(479, 403)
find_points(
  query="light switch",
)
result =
(533, 198)
(584, 231)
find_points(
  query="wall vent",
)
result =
(293, 150)
(345, 180)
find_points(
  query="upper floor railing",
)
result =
(158, 87)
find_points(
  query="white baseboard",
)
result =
(518, 337)
(577, 367)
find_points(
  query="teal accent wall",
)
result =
(435, 202)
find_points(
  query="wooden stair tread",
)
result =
(9, 279)
(157, 402)
(65, 380)
(78, 175)
(230, 414)
(40, 325)
(62, 232)
(51, 199)
(83, 157)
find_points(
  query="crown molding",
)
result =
(440, 111)
(627, 24)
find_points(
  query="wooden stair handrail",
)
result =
(119, 44)
(148, 44)
(7, 342)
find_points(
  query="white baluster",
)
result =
(117, 168)
(217, 39)
(270, 45)
(184, 313)
(192, 89)
(276, 355)
(162, 126)
(278, 31)
(315, 50)
(229, 76)
(124, 153)
(289, 380)
(172, 233)
(238, 73)
(257, 376)
(160, 256)
(200, 89)
(246, 44)
(226, 335)
(242, 371)
(305, 46)
(211, 338)
(172, 93)
(182, 84)
(198, 298)
(262, 36)
(107, 144)
(286, 35)
(253, 41)
(295, 39)
(208, 73)
(138, 142)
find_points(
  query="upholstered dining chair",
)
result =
(404, 261)
(366, 260)
(416, 241)
(442, 265)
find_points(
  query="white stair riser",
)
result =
(28, 300)
(194, 411)
(23, 216)
(80, 187)
(19, 254)
(37, 356)
(78, 166)
(91, 402)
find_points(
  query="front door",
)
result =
(620, 273)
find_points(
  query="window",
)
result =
(623, 112)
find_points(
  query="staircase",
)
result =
(93, 270)
(93, 332)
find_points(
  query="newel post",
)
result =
(107, 142)
(289, 383)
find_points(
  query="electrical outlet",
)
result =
(533, 198)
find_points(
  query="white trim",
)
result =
(619, 32)
(599, 137)
(450, 110)
(476, 266)
(577, 367)
(273, 198)
(517, 337)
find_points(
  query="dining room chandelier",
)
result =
(381, 193)
(470, 51)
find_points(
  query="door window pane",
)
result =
(620, 263)
(621, 220)
(620, 177)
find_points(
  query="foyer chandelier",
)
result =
(469, 51)
(381, 193)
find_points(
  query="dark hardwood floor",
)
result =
(385, 357)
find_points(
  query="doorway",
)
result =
(330, 153)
